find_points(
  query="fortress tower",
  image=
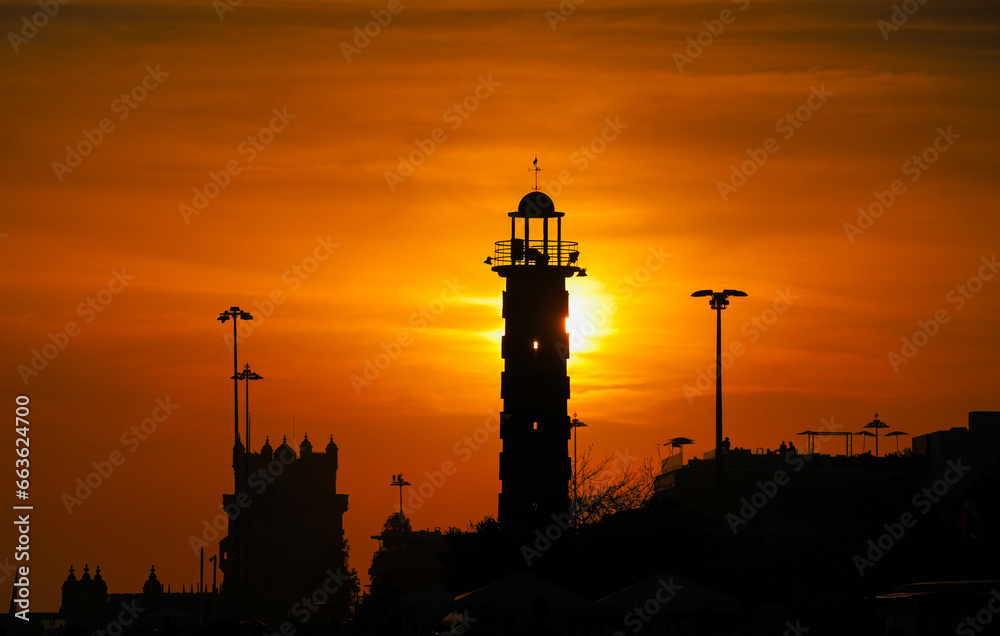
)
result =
(288, 522)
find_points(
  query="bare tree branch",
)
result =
(611, 484)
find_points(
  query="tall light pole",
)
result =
(575, 424)
(398, 481)
(246, 374)
(236, 314)
(718, 301)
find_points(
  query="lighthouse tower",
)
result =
(535, 467)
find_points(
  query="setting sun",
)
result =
(343, 183)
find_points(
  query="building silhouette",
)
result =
(88, 605)
(535, 466)
(785, 495)
(285, 542)
(286, 531)
(406, 560)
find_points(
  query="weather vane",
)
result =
(536, 170)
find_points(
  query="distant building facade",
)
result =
(285, 543)
(783, 495)
(286, 532)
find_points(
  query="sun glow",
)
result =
(589, 320)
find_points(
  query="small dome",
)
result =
(86, 573)
(306, 447)
(285, 450)
(331, 447)
(152, 585)
(536, 204)
(72, 574)
(97, 575)
(266, 452)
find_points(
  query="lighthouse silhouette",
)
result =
(535, 467)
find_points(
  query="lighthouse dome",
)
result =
(536, 204)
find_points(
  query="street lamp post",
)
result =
(718, 301)
(236, 314)
(246, 374)
(399, 482)
(575, 424)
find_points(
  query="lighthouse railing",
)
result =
(536, 253)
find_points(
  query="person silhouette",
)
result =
(782, 449)
(791, 448)
(725, 444)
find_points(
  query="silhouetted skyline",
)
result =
(243, 156)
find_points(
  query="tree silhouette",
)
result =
(612, 484)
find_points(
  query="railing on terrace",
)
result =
(536, 252)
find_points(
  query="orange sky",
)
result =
(480, 90)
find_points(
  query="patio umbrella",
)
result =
(876, 424)
(678, 442)
(866, 434)
(896, 434)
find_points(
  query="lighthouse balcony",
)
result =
(536, 253)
